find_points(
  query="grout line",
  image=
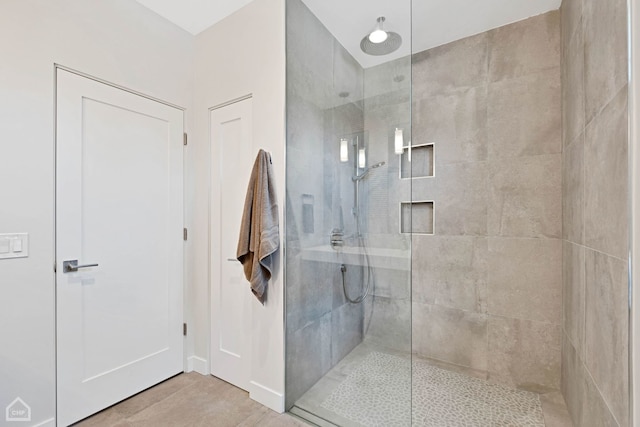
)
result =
(488, 313)
(595, 384)
(582, 355)
(625, 260)
(605, 105)
(566, 335)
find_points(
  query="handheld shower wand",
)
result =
(357, 178)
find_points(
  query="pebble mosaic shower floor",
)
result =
(378, 392)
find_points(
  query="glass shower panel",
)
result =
(487, 278)
(349, 213)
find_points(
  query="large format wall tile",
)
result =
(525, 279)
(348, 75)
(313, 76)
(346, 330)
(461, 64)
(491, 104)
(573, 298)
(455, 122)
(377, 79)
(607, 329)
(572, 380)
(605, 41)
(570, 19)
(450, 271)
(308, 357)
(524, 115)
(584, 401)
(307, 124)
(383, 191)
(321, 328)
(525, 197)
(392, 283)
(461, 199)
(594, 77)
(573, 191)
(573, 109)
(451, 335)
(389, 322)
(304, 136)
(524, 353)
(525, 47)
(594, 409)
(606, 180)
(309, 295)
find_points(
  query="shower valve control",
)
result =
(336, 238)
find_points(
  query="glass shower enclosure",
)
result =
(424, 209)
(349, 215)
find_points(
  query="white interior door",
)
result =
(231, 163)
(119, 204)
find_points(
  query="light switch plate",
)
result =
(5, 245)
(14, 245)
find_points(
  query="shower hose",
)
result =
(343, 270)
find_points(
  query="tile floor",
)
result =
(190, 400)
(195, 400)
(372, 386)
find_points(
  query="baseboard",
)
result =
(266, 396)
(51, 422)
(198, 364)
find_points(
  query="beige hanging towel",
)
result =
(259, 231)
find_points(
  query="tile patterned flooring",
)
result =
(195, 400)
(376, 393)
(372, 387)
(190, 400)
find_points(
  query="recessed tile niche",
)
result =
(417, 162)
(416, 217)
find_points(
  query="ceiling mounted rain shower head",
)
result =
(379, 34)
(380, 42)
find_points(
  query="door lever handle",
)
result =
(72, 265)
(233, 259)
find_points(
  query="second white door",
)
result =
(232, 157)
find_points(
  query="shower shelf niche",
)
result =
(417, 161)
(417, 217)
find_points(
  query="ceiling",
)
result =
(194, 15)
(435, 22)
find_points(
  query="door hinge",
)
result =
(184, 234)
(184, 141)
(55, 267)
(184, 329)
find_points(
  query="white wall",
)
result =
(243, 54)
(116, 40)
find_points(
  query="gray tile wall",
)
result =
(321, 327)
(387, 95)
(595, 365)
(487, 287)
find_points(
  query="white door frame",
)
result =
(117, 86)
